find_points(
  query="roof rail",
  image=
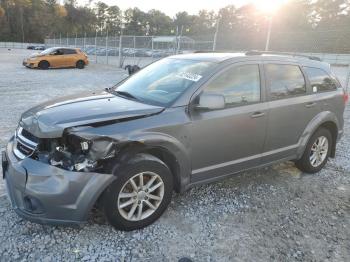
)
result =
(255, 52)
(208, 51)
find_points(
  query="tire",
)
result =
(80, 64)
(44, 65)
(112, 200)
(308, 164)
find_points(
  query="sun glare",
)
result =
(269, 6)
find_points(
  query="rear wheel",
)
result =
(139, 195)
(80, 64)
(44, 65)
(316, 152)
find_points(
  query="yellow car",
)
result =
(57, 57)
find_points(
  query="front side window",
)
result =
(320, 80)
(285, 81)
(239, 85)
(162, 82)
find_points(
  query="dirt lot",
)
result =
(270, 214)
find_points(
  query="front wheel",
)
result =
(44, 65)
(139, 195)
(316, 152)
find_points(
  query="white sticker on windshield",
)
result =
(189, 76)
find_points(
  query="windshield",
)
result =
(162, 82)
(48, 51)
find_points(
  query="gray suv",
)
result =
(181, 121)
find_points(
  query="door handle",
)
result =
(257, 114)
(311, 104)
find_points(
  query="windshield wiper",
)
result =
(125, 94)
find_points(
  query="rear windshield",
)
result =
(162, 82)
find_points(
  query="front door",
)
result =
(231, 139)
(56, 58)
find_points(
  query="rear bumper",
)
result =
(45, 194)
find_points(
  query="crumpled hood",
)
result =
(48, 120)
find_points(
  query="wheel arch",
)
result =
(80, 60)
(326, 120)
(177, 165)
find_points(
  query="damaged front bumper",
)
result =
(43, 193)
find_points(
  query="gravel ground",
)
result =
(270, 214)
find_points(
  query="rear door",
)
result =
(70, 57)
(291, 108)
(231, 139)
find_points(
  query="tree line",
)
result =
(35, 20)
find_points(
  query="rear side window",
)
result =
(285, 81)
(320, 80)
(239, 85)
(69, 51)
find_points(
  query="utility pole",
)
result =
(267, 46)
(179, 40)
(216, 33)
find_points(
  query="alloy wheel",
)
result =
(140, 196)
(319, 151)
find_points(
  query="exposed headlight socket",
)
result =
(84, 145)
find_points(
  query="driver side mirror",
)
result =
(211, 102)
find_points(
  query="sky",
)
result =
(171, 7)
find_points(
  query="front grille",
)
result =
(29, 136)
(25, 143)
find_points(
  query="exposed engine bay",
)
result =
(76, 153)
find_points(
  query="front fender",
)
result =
(178, 149)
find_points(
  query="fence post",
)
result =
(75, 40)
(67, 41)
(107, 48)
(120, 48)
(84, 41)
(134, 47)
(115, 45)
(96, 47)
(347, 79)
(60, 39)
(152, 48)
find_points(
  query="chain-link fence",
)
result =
(330, 45)
(18, 45)
(124, 50)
